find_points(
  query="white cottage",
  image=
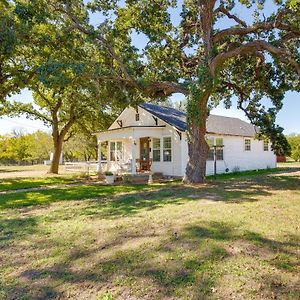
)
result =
(153, 137)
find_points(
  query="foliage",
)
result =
(294, 141)
(81, 147)
(19, 147)
(108, 173)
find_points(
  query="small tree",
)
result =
(294, 141)
(65, 89)
(61, 110)
(41, 146)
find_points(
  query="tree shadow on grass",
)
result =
(189, 265)
(120, 200)
(16, 229)
(166, 266)
(82, 192)
(240, 192)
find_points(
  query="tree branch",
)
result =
(28, 109)
(101, 40)
(223, 10)
(69, 124)
(252, 48)
(162, 88)
(242, 95)
(266, 26)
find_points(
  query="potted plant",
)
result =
(109, 177)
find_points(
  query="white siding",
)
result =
(170, 168)
(236, 157)
(128, 118)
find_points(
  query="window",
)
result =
(116, 151)
(266, 146)
(247, 144)
(219, 154)
(156, 149)
(104, 147)
(167, 151)
(219, 142)
(219, 149)
(210, 142)
(137, 117)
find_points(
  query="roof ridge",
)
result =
(169, 107)
(215, 123)
(229, 118)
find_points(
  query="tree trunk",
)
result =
(197, 145)
(56, 156)
(198, 151)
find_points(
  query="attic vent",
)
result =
(137, 117)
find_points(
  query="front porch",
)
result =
(129, 150)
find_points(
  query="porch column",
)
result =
(133, 153)
(99, 167)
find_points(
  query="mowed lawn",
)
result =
(234, 238)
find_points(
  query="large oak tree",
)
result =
(195, 56)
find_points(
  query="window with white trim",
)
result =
(156, 149)
(219, 150)
(210, 141)
(167, 149)
(116, 151)
(266, 145)
(247, 144)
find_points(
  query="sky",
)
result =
(288, 117)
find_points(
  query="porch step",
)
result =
(139, 178)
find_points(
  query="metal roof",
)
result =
(215, 124)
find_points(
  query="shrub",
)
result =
(108, 173)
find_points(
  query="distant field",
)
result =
(234, 238)
(31, 171)
(4, 169)
(290, 164)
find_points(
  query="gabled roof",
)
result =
(215, 124)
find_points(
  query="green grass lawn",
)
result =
(26, 183)
(236, 237)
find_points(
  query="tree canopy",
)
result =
(63, 65)
(189, 49)
(251, 59)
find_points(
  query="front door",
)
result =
(144, 149)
